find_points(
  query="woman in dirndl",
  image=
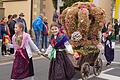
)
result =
(109, 42)
(61, 68)
(23, 45)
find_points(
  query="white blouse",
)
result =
(67, 45)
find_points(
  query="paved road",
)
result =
(41, 66)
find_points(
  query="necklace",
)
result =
(18, 39)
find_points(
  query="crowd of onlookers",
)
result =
(39, 25)
(41, 30)
(7, 25)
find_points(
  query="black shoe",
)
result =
(2, 53)
(108, 63)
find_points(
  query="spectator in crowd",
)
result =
(9, 19)
(55, 16)
(22, 20)
(116, 27)
(0, 30)
(119, 31)
(38, 26)
(104, 29)
(11, 26)
(4, 32)
(109, 42)
(44, 35)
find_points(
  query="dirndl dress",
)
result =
(61, 68)
(22, 65)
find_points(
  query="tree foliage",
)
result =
(67, 3)
(55, 4)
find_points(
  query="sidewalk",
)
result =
(11, 57)
(5, 58)
(117, 45)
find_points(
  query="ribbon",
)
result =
(53, 54)
(21, 53)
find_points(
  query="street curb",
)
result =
(6, 60)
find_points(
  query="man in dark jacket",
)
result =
(22, 20)
(116, 27)
(11, 26)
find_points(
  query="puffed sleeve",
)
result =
(49, 49)
(113, 45)
(10, 45)
(68, 47)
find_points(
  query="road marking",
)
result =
(117, 45)
(104, 76)
(108, 77)
(107, 70)
(117, 50)
(114, 62)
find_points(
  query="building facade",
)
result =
(43, 6)
(24, 6)
(16, 7)
(107, 6)
(1, 10)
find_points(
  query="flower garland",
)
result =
(85, 18)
